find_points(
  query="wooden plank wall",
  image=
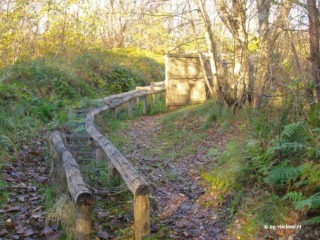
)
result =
(185, 82)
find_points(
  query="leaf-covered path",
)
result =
(175, 173)
(22, 212)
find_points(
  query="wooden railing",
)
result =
(137, 184)
(66, 172)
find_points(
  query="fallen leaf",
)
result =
(3, 232)
(37, 215)
(21, 230)
(28, 232)
(12, 209)
(56, 236)
(47, 232)
(21, 198)
(34, 198)
(102, 215)
(103, 234)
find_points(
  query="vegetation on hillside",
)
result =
(38, 93)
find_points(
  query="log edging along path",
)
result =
(68, 173)
(137, 184)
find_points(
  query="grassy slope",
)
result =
(36, 95)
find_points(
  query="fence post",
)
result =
(83, 221)
(154, 98)
(100, 155)
(141, 216)
(113, 112)
(130, 106)
(145, 104)
(99, 120)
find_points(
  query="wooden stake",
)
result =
(100, 155)
(113, 112)
(145, 104)
(141, 216)
(154, 98)
(130, 111)
(83, 221)
(99, 120)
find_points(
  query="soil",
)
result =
(22, 214)
(177, 183)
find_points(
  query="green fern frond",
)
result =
(294, 196)
(303, 204)
(315, 200)
(290, 129)
(291, 146)
(313, 220)
(312, 202)
(283, 174)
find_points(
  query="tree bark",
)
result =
(314, 44)
(267, 37)
(235, 19)
(203, 15)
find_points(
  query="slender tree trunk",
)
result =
(314, 44)
(235, 19)
(268, 37)
(203, 14)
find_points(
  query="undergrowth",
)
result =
(270, 177)
(38, 93)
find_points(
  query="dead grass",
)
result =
(62, 214)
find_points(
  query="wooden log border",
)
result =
(78, 191)
(137, 184)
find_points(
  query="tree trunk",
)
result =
(267, 37)
(203, 15)
(235, 19)
(314, 45)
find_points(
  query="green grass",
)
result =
(37, 94)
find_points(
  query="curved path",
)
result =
(177, 182)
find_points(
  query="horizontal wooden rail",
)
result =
(82, 197)
(154, 88)
(135, 182)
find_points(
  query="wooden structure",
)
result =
(137, 184)
(185, 80)
(67, 173)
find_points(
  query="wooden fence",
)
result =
(67, 173)
(137, 184)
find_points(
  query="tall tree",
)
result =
(235, 20)
(313, 14)
(203, 15)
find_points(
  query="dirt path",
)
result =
(176, 182)
(22, 212)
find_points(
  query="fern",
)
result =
(281, 175)
(290, 146)
(294, 196)
(311, 202)
(303, 204)
(290, 129)
(314, 220)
